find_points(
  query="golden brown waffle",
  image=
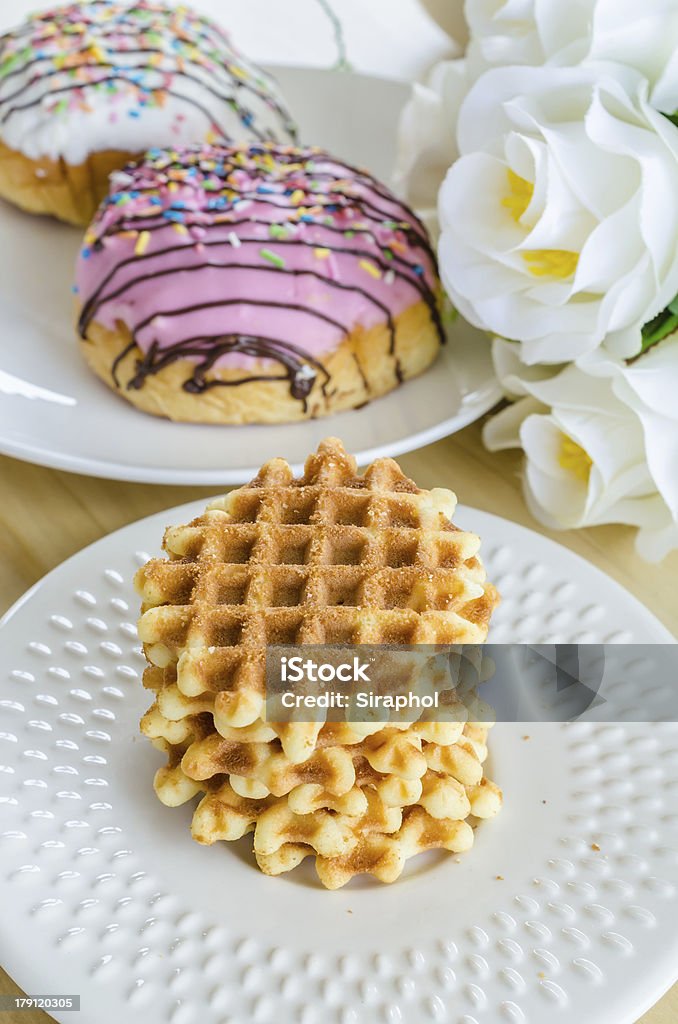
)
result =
(328, 816)
(380, 855)
(334, 766)
(299, 740)
(349, 838)
(366, 826)
(225, 814)
(442, 818)
(333, 557)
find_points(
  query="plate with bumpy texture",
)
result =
(564, 909)
(55, 412)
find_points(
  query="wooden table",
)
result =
(46, 516)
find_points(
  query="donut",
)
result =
(87, 87)
(255, 284)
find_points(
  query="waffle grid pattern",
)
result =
(331, 558)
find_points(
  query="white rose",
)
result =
(560, 219)
(427, 138)
(507, 32)
(643, 35)
(600, 442)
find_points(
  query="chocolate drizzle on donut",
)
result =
(72, 54)
(320, 209)
(300, 370)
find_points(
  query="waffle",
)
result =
(356, 833)
(332, 557)
(335, 767)
(175, 706)
(434, 822)
(448, 783)
(383, 856)
(374, 826)
(300, 739)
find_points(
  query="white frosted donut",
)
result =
(86, 87)
(127, 76)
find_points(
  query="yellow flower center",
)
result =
(520, 195)
(558, 263)
(573, 458)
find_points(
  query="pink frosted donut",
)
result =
(255, 284)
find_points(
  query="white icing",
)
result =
(114, 119)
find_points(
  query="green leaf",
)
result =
(664, 323)
(659, 328)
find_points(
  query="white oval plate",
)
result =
(565, 909)
(56, 413)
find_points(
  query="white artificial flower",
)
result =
(600, 441)
(560, 218)
(640, 33)
(427, 138)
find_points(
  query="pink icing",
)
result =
(187, 246)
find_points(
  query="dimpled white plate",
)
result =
(564, 911)
(56, 413)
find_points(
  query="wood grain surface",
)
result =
(46, 516)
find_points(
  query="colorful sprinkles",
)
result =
(136, 56)
(143, 239)
(370, 269)
(273, 257)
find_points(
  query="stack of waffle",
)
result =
(330, 558)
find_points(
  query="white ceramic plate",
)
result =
(56, 413)
(106, 896)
